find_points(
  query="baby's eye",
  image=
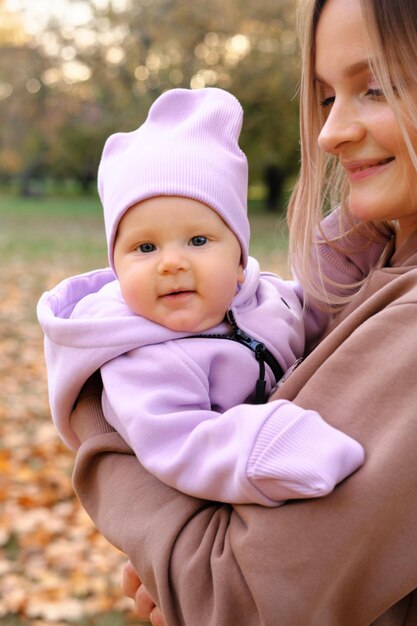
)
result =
(199, 240)
(146, 247)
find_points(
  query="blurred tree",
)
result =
(11, 30)
(102, 73)
(266, 83)
(22, 143)
(76, 155)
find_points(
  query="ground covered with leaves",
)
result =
(55, 568)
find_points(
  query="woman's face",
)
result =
(361, 129)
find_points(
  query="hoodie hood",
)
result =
(87, 323)
(405, 256)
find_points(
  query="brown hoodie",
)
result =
(349, 559)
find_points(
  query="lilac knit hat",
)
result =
(187, 146)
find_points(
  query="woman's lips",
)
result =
(358, 170)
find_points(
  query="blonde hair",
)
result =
(322, 184)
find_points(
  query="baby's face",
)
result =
(177, 262)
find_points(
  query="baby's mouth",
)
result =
(177, 292)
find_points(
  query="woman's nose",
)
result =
(342, 126)
(173, 260)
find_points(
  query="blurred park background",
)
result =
(71, 73)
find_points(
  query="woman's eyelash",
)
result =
(377, 93)
(326, 102)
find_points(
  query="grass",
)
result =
(69, 230)
(112, 618)
(52, 228)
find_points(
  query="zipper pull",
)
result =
(231, 319)
(240, 336)
(262, 355)
(260, 395)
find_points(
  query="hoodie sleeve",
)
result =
(157, 398)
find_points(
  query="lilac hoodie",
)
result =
(180, 401)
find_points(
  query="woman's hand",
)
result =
(144, 605)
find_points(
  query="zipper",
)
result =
(262, 355)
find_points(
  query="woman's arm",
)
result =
(344, 559)
(137, 513)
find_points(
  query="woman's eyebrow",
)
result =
(350, 71)
(357, 68)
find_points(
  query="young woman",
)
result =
(349, 559)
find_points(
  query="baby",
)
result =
(190, 337)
